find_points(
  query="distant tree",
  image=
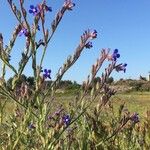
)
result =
(97, 79)
(121, 79)
(136, 85)
(110, 80)
(145, 86)
(67, 84)
(22, 79)
(30, 81)
(48, 83)
(75, 83)
(9, 83)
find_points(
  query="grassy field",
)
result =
(135, 101)
(92, 127)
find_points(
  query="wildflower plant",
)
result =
(36, 123)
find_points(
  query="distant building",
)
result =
(149, 76)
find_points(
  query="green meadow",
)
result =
(134, 101)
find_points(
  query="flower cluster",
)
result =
(114, 56)
(88, 45)
(34, 10)
(88, 35)
(47, 73)
(93, 34)
(121, 67)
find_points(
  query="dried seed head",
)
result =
(93, 69)
(24, 12)
(27, 42)
(14, 7)
(17, 29)
(68, 4)
(24, 90)
(46, 34)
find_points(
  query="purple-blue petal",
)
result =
(118, 55)
(125, 65)
(32, 6)
(49, 9)
(95, 31)
(116, 51)
(38, 27)
(20, 33)
(45, 70)
(49, 71)
(49, 76)
(45, 75)
(115, 59)
(30, 11)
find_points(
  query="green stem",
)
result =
(3, 70)
(10, 66)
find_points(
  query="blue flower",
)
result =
(47, 73)
(115, 55)
(47, 8)
(34, 10)
(23, 31)
(88, 45)
(121, 67)
(66, 119)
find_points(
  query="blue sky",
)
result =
(122, 24)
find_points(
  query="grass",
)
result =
(134, 101)
(102, 127)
